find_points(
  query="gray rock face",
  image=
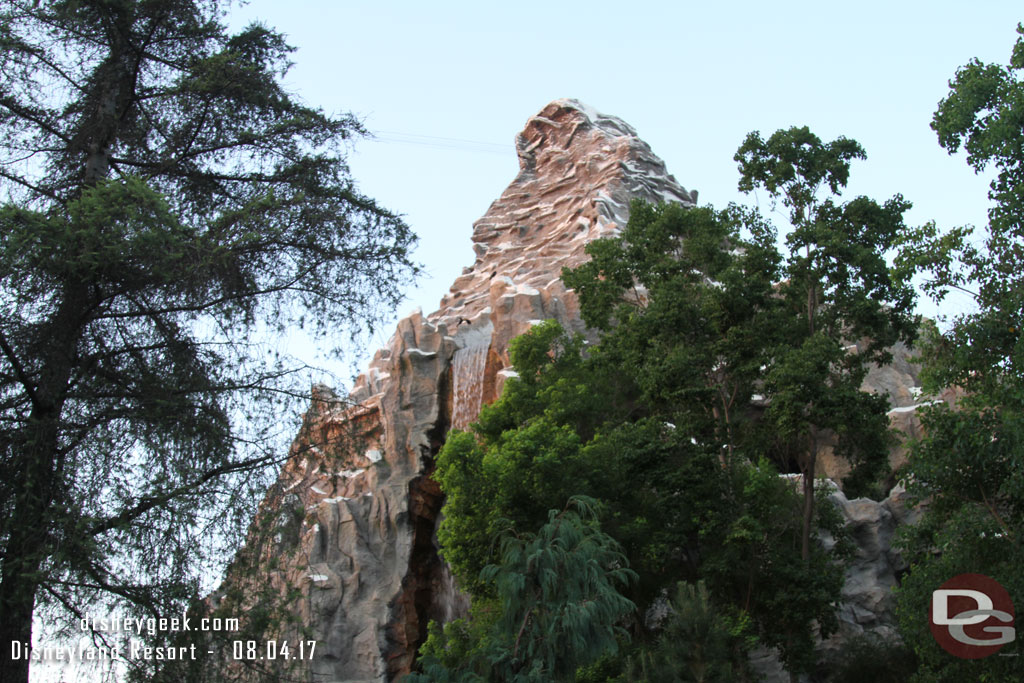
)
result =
(872, 574)
(344, 544)
(868, 601)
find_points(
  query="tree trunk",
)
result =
(17, 603)
(30, 523)
(812, 451)
(28, 543)
(808, 489)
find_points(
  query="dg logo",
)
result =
(971, 616)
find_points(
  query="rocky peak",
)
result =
(578, 171)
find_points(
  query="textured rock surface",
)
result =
(354, 511)
(873, 572)
(899, 381)
(345, 540)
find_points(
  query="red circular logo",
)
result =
(971, 616)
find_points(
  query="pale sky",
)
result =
(692, 78)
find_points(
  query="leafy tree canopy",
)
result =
(845, 308)
(659, 422)
(720, 359)
(968, 465)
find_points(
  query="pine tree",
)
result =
(162, 198)
(699, 643)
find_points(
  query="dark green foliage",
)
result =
(559, 599)
(838, 292)
(699, 643)
(752, 561)
(162, 201)
(968, 466)
(794, 164)
(660, 423)
(967, 469)
(944, 544)
(559, 593)
(695, 337)
(872, 658)
(983, 113)
(459, 650)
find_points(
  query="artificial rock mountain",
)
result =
(343, 550)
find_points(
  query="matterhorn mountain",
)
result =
(343, 550)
